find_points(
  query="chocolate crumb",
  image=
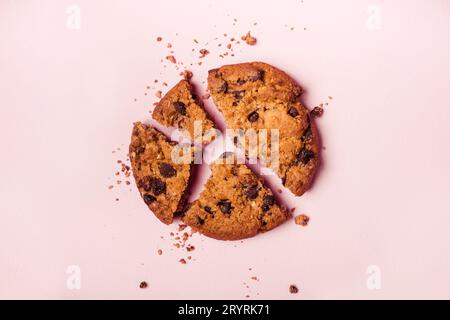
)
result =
(158, 39)
(317, 112)
(171, 59)
(203, 53)
(182, 261)
(160, 252)
(293, 289)
(143, 285)
(158, 94)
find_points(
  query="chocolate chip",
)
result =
(167, 170)
(139, 150)
(223, 87)
(240, 81)
(293, 112)
(238, 94)
(208, 209)
(268, 201)
(158, 186)
(304, 156)
(225, 206)
(200, 221)
(180, 107)
(148, 199)
(252, 117)
(307, 133)
(258, 76)
(252, 192)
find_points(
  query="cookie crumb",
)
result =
(143, 285)
(186, 74)
(293, 289)
(317, 112)
(182, 261)
(203, 53)
(171, 59)
(302, 220)
(160, 252)
(251, 41)
(158, 94)
(158, 39)
(190, 248)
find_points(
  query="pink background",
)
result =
(381, 197)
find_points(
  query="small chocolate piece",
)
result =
(225, 206)
(208, 209)
(293, 112)
(258, 76)
(252, 117)
(223, 88)
(240, 81)
(293, 289)
(252, 192)
(268, 201)
(143, 285)
(157, 186)
(317, 112)
(304, 156)
(180, 107)
(238, 94)
(139, 150)
(167, 170)
(149, 199)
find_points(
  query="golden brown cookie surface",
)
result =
(161, 182)
(258, 96)
(180, 108)
(235, 204)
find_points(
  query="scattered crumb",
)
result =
(203, 53)
(330, 97)
(302, 220)
(254, 278)
(160, 252)
(317, 112)
(110, 187)
(293, 289)
(158, 94)
(171, 59)
(169, 45)
(182, 261)
(190, 248)
(251, 41)
(158, 39)
(143, 285)
(186, 74)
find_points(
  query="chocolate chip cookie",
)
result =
(161, 181)
(235, 204)
(259, 96)
(181, 108)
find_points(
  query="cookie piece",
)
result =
(235, 204)
(180, 108)
(161, 182)
(259, 96)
